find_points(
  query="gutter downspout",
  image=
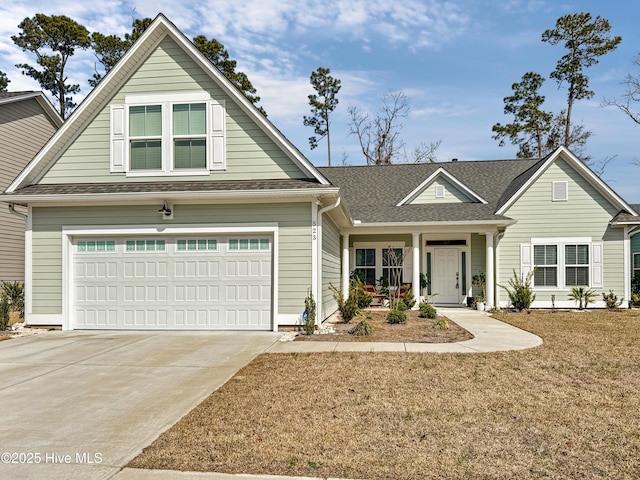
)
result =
(319, 312)
(12, 210)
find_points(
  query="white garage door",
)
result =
(192, 283)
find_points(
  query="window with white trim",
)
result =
(180, 134)
(392, 260)
(576, 261)
(193, 245)
(366, 262)
(563, 263)
(249, 244)
(96, 246)
(145, 245)
(545, 260)
(636, 263)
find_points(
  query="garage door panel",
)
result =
(193, 285)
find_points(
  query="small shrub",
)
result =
(398, 305)
(14, 293)
(4, 313)
(442, 324)
(520, 294)
(362, 329)
(348, 308)
(408, 299)
(310, 308)
(635, 300)
(611, 299)
(635, 284)
(582, 296)
(356, 288)
(427, 311)
(396, 316)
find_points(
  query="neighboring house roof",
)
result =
(43, 101)
(117, 76)
(372, 193)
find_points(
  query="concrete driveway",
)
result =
(82, 404)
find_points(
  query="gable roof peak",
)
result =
(160, 28)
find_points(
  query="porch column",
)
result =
(490, 277)
(345, 265)
(416, 269)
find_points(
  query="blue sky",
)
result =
(455, 60)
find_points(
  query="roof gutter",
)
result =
(13, 211)
(317, 294)
(178, 195)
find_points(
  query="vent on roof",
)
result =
(454, 159)
(559, 191)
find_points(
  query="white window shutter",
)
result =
(217, 150)
(596, 265)
(118, 145)
(525, 259)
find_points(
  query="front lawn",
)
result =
(568, 409)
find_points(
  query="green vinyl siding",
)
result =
(452, 194)
(251, 153)
(587, 213)
(294, 234)
(331, 253)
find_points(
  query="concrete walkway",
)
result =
(490, 335)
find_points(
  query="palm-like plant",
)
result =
(582, 294)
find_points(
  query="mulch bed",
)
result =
(414, 330)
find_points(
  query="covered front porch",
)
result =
(447, 259)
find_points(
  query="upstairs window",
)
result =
(145, 137)
(168, 134)
(189, 135)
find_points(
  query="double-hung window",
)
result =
(565, 263)
(576, 261)
(392, 265)
(366, 262)
(189, 135)
(636, 263)
(168, 134)
(145, 137)
(545, 258)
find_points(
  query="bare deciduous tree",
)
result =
(379, 137)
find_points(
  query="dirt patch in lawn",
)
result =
(414, 330)
(567, 409)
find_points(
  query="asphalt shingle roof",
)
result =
(167, 187)
(371, 193)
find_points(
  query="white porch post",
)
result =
(345, 265)
(626, 256)
(490, 277)
(416, 269)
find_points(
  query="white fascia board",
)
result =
(106, 198)
(581, 168)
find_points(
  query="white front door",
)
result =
(445, 275)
